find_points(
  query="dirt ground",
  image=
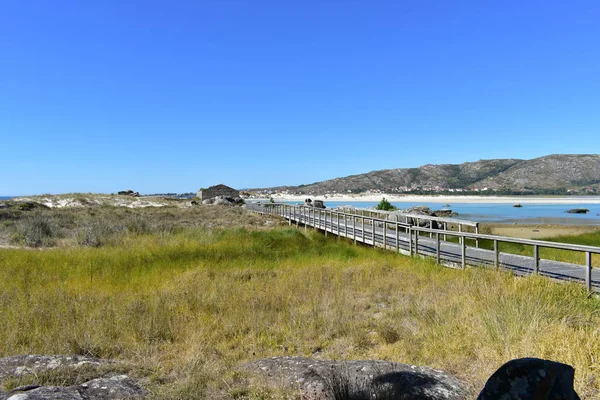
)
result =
(537, 231)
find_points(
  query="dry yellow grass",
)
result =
(184, 309)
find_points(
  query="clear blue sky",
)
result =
(156, 96)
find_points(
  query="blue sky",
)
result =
(157, 96)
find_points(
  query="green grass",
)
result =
(186, 308)
(576, 257)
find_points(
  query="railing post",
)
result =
(325, 223)
(319, 217)
(345, 225)
(460, 238)
(410, 244)
(289, 214)
(536, 259)
(304, 218)
(588, 271)
(354, 228)
(385, 234)
(437, 239)
(496, 254)
(363, 228)
(477, 232)
(463, 253)
(373, 231)
(397, 238)
(445, 229)
(417, 242)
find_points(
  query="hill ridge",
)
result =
(551, 174)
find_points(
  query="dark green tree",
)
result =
(385, 205)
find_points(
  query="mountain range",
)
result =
(557, 173)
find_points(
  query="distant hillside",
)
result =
(554, 173)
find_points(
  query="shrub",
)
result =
(37, 230)
(385, 205)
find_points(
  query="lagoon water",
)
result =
(499, 212)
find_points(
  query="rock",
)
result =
(35, 367)
(423, 223)
(531, 379)
(318, 204)
(33, 364)
(194, 203)
(369, 379)
(578, 211)
(419, 210)
(444, 213)
(224, 201)
(517, 205)
(314, 203)
(128, 193)
(114, 388)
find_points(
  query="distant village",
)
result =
(428, 190)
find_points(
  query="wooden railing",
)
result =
(376, 232)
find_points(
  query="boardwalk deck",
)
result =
(407, 241)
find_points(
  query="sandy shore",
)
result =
(447, 199)
(536, 231)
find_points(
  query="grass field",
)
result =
(183, 308)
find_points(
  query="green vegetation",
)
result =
(33, 225)
(385, 205)
(184, 307)
(576, 257)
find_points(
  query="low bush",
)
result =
(385, 205)
(37, 230)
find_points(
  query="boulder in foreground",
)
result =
(531, 379)
(367, 379)
(86, 378)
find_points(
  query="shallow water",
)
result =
(546, 213)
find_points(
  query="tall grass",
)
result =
(186, 308)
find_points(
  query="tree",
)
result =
(385, 205)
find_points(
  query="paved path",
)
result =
(450, 252)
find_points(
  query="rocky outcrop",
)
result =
(103, 381)
(578, 211)
(425, 212)
(314, 203)
(531, 379)
(224, 201)
(129, 193)
(330, 380)
(114, 388)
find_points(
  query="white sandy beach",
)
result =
(446, 199)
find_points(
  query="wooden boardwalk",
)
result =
(413, 240)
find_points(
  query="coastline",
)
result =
(443, 199)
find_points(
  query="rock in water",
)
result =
(578, 211)
(531, 379)
(368, 379)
